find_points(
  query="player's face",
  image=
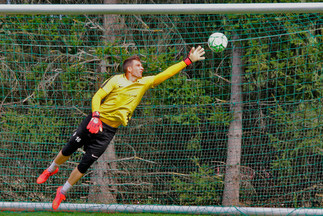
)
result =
(136, 69)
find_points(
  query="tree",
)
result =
(232, 175)
(102, 177)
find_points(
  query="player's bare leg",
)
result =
(75, 176)
(53, 168)
(60, 158)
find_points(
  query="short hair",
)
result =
(128, 62)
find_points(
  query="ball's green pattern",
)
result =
(217, 42)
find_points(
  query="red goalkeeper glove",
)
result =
(95, 124)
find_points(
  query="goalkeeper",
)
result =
(112, 105)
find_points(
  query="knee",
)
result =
(86, 162)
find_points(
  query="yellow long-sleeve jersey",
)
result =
(118, 97)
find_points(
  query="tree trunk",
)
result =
(232, 176)
(112, 24)
(103, 189)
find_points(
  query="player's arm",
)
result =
(97, 98)
(95, 124)
(194, 55)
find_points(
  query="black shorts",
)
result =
(94, 144)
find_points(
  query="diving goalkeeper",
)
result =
(112, 105)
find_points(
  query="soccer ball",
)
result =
(217, 42)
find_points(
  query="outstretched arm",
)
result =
(194, 55)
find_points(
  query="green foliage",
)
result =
(32, 132)
(296, 144)
(219, 115)
(286, 63)
(201, 187)
(299, 140)
(25, 137)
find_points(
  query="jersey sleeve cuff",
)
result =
(188, 61)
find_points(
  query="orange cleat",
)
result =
(45, 175)
(58, 199)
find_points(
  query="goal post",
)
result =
(174, 156)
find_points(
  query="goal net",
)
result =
(175, 150)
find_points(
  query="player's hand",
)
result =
(95, 124)
(196, 54)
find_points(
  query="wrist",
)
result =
(96, 114)
(188, 61)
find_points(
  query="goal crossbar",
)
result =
(163, 8)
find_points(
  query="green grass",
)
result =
(82, 214)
